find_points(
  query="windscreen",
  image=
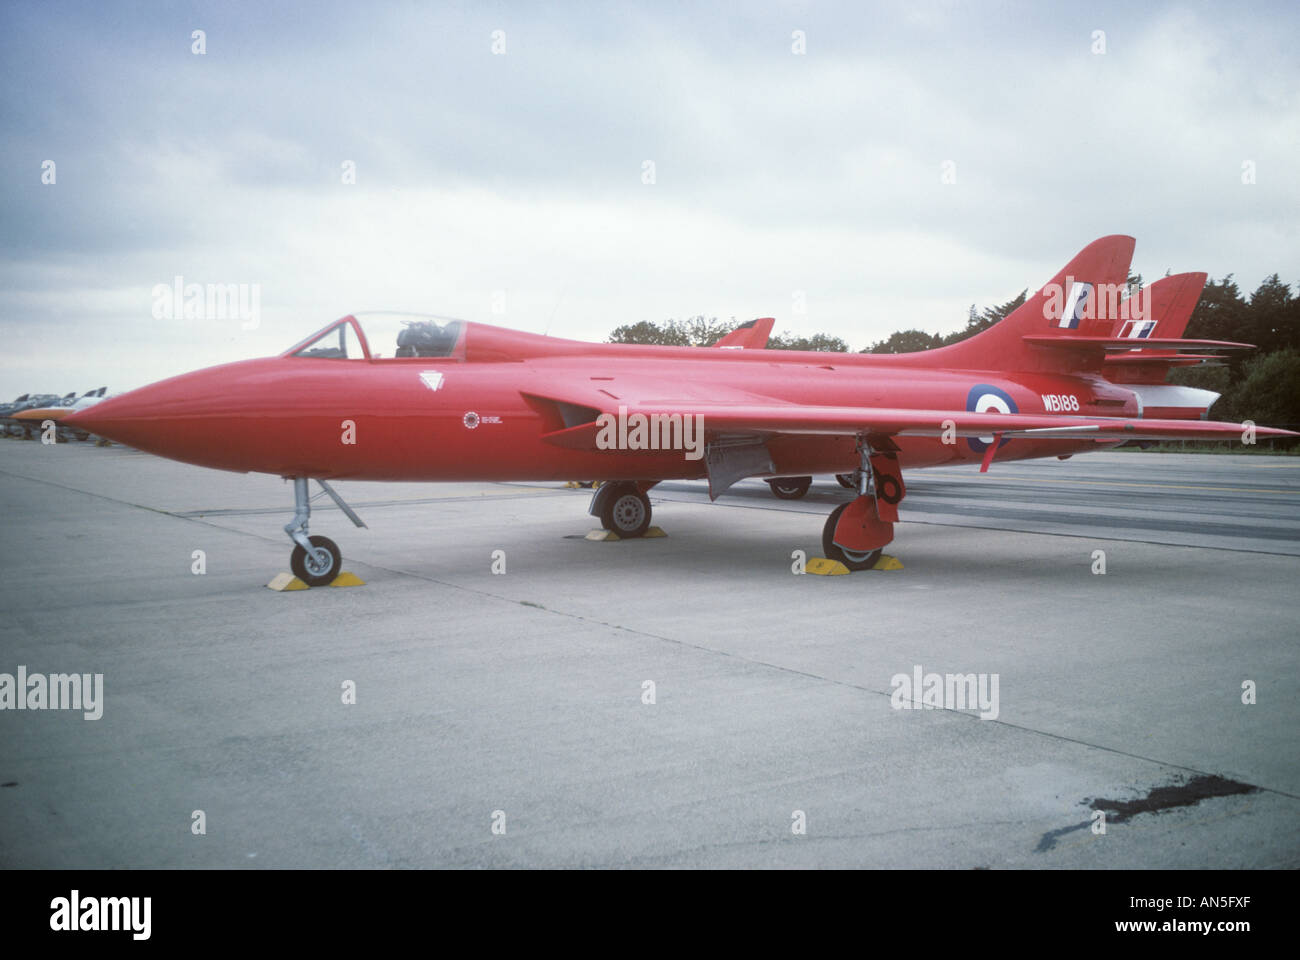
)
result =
(339, 342)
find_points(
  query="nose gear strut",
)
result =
(315, 560)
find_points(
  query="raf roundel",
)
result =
(470, 420)
(986, 398)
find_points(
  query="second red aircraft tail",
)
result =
(1165, 308)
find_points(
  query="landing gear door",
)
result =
(730, 460)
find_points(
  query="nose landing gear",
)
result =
(318, 567)
(315, 560)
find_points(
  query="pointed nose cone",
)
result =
(132, 418)
(194, 417)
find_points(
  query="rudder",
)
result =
(1082, 298)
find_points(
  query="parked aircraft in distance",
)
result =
(26, 419)
(387, 397)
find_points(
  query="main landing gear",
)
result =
(315, 560)
(622, 507)
(790, 488)
(856, 533)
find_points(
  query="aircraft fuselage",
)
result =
(384, 420)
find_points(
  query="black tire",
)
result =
(846, 480)
(854, 561)
(790, 488)
(311, 575)
(626, 512)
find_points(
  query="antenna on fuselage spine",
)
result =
(554, 310)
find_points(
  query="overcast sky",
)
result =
(509, 187)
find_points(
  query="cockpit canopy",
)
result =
(386, 336)
(427, 338)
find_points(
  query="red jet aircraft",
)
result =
(465, 401)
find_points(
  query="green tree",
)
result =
(691, 332)
(979, 322)
(645, 331)
(1269, 393)
(906, 341)
(1220, 314)
(823, 342)
(1272, 316)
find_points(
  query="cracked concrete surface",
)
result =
(522, 693)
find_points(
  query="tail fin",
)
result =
(1162, 310)
(1169, 305)
(751, 335)
(1084, 294)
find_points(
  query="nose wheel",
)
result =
(315, 560)
(319, 567)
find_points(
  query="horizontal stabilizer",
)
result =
(1157, 357)
(1127, 343)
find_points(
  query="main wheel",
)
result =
(627, 513)
(790, 488)
(317, 571)
(854, 561)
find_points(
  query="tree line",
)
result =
(1261, 385)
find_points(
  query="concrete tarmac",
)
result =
(677, 702)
